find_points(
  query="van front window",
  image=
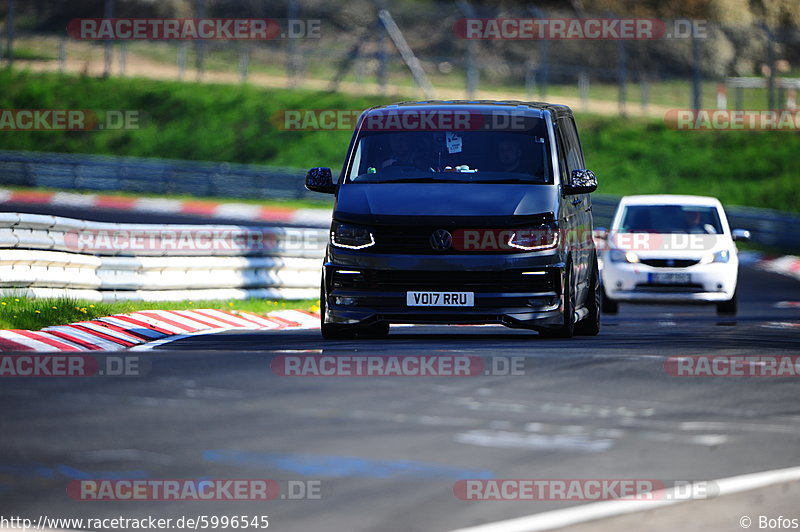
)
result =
(457, 156)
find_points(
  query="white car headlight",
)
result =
(721, 256)
(617, 255)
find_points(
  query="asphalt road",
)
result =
(388, 450)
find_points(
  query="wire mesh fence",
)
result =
(685, 63)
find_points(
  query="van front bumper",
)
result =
(517, 290)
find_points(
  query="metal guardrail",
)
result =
(146, 175)
(45, 256)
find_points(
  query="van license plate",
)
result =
(440, 299)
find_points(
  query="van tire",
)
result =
(567, 330)
(590, 325)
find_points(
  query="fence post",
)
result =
(200, 12)
(530, 80)
(10, 33)
(291, 46)
(696, 94)
(123, 58)
(644, 89)
(62, 54)
(622, 74)
(182, 56)
(472, 68)
(722, 96)
(771, 65)
(544, 52)
(583, 89)
(244, 61)
(383, 53)
(107, 45)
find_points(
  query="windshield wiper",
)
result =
(420, 180)
(509, 180)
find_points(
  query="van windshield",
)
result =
(452, 156)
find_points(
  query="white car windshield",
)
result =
(692, 219)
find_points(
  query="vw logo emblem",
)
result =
(441, 240)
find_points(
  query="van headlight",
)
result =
(535, 238)
(351, 236)
(617, 255)
(721, 256)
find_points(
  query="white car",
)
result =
(670, 249)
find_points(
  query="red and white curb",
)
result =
(788, 265)
(236, 211)
(146, 329)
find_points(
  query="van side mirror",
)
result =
(582, 182)
(740, 235)
(320, 180)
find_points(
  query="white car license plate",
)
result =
(670, 278)
(440, 299)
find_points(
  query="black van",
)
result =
(461, 212)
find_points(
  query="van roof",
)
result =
(535, 108)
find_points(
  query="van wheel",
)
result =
(567, 330)
(728, 308)
(590, 325)
(331, 331)
(609, 306)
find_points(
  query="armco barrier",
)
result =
(151, 176)
(45, 256)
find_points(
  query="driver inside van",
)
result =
(510, 155)
(402, 152)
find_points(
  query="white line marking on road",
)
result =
(600, 510)
(524, 440)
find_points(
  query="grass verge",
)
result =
(34, 314)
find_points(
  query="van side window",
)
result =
(563, 150)
(572, 146)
